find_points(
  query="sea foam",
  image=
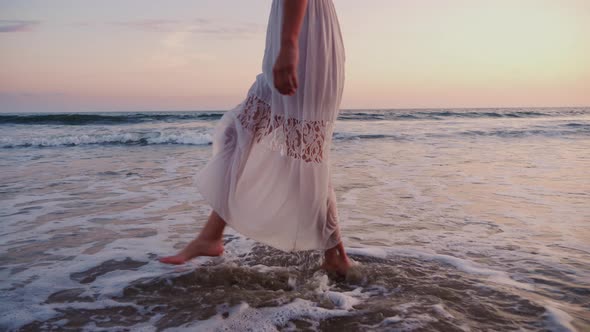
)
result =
(149, 138)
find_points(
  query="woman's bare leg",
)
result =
(208, 243)
(336, 260)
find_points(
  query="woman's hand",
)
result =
(284, 70)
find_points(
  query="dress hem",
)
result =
(253, 237)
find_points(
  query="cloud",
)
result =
(160, 25)
(176, 50)
(197, 26)
(17, 25)
(172, 51)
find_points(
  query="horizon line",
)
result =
(341, 109)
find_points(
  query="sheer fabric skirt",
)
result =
(269, 175)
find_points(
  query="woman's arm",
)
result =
(285, 67)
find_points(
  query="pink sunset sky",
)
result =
(153, 55)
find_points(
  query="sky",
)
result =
(153, 55)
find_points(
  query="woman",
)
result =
(269, 176)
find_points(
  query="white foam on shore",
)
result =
(12, 318)
(16, 311)
(404, 321)
(459, 263)
(57, 277)
(245, 318)
(26, 286)
(341, 300)
(241, 317)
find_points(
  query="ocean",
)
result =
(458, 220)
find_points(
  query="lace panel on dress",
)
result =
(300, 139)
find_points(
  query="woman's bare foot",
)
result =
(336, 260)
(339, 265)
(197, 247)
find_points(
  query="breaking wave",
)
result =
(147, 138)
(106, 118)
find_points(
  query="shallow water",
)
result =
(459, 220)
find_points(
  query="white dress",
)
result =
(269, 176)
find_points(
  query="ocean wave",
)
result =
(442, 114)
(188, 137)
(104, 118)
(148, 138)
(557, 130)
(352, 136)
(358, 115)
